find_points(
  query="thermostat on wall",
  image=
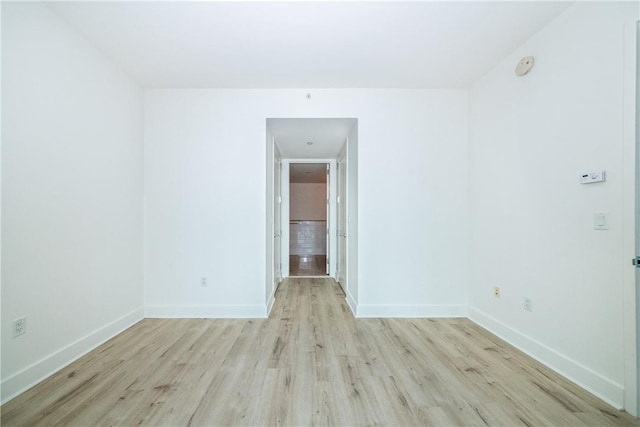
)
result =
(591, 177)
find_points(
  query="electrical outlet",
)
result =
(528, 304)
(19, 326)
(496, 291)
(203, 281)
(591, 177)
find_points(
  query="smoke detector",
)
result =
(524, 66)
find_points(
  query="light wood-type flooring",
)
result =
(310, 363)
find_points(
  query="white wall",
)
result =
(351, 227)
(412, 207)
(531, 221)
(270, 249)
(71, 196)
(204, 219)
(308, 202)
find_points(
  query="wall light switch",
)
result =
(591, 177)
(600, 221)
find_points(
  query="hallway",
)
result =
(310, 362)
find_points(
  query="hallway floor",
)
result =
(307, 265)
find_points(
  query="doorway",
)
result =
(308, 219)
(320, 141)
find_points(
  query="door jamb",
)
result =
(331, 249)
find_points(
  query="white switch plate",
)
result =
(591, 177)
(600, 221)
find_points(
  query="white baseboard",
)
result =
(206, 311)
(44, 368)
(272, 300)
(602, 387)
(410, 311)
(351, 302)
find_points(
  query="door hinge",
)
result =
(636, 261)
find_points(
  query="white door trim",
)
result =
(631, 218)
(331, 248)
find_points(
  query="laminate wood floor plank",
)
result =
(310, 363)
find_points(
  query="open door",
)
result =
(341, 202)
(328, 215)
(277, 217)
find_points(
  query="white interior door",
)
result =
(341, 201)
(277, 218)
(328, 207)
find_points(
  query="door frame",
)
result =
(341, 225)
(632, 296)
(331, 220)
(631, 218)
(277, 209)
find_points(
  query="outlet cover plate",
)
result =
(19, 327)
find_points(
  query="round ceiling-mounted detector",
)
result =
(524, 66)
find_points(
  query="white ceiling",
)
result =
(398, 44)
(308, 173)
(328, 137)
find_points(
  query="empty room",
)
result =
(319, 213)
